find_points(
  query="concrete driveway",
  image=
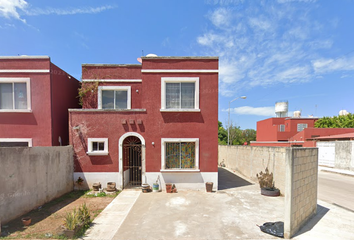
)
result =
(231, 213)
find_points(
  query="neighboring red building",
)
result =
(310, 136)
(146, 121)
(279, 131)
(35, 96)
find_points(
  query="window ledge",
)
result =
(179, 170)
(179, 110)
(15, 111)
(105, 110)
(97, 153)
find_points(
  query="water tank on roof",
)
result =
(151, 55)
(281, 109)
(297, 114)
(343, 112)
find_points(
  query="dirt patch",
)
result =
(48, 219)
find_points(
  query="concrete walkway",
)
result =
(107, 223)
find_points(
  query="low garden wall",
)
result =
(295, 172)
(301, 188)
(250, 160)
(33, 176)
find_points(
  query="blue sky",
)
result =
(286, 50)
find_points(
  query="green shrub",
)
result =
(71, 220)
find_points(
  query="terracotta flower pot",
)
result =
(209, 186)
(26, 221)
(169, 187)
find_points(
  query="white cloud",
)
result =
(259, 111)
(10, 8)
(267, 43)
(56, 11)
(221, 17)
(16, 9)
(329, 65)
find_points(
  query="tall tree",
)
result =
(345, 121)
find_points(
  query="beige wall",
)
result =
(31, 177)
(301, 188)
(250, 160)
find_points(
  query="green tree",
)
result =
(222, 134)
(236, 134)
(345, 121)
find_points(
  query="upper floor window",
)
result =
(15, 94)
(180, 94)
(114, 97)
(281, 128)
(301, 126)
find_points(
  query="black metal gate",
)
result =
(132, 160)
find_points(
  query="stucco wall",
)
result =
(250, 160)
(344, 155)
(337, 154)
(31, 177)
(301, 188)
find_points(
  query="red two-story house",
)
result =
(35, 96)
(154, 121)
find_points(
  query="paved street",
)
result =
(336, 189)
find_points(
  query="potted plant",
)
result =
(79, 181)
(267, 184)
(155, 185)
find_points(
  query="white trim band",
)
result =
(112, 80)
(179, 71)
(24, 70)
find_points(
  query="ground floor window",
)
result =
(180, 154)
(97, 146)
(15, 142)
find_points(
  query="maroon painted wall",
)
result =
(52, 94)
(35, 124)
(64, 90)
(268, 129)
(155, 124)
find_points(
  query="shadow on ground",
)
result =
(229, 180)
(321, 212)
(41, 213)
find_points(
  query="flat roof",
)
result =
(337, 136)
(24, 57)
(181, 57)
(109, 65)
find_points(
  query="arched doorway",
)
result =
(132, 167)
(131, 156)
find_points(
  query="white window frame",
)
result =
(165, 80)
(178, 140)
(28, 140)
(114, 88)
(303, 125)
(97, 153)
(28, 89)
(282, 128)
